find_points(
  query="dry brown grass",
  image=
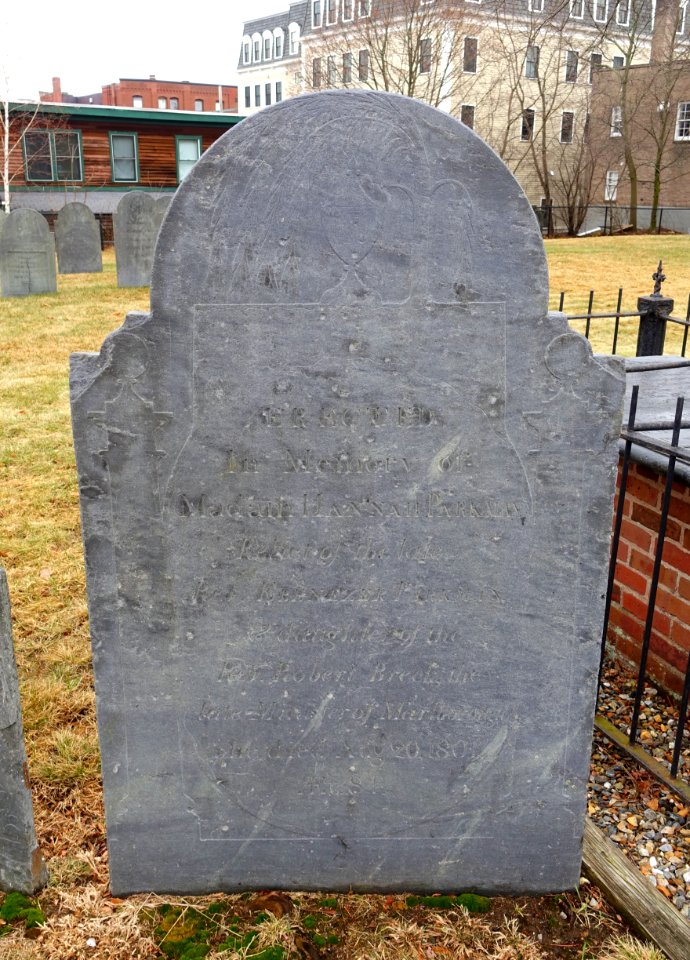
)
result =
(40, 547)
(604, 264)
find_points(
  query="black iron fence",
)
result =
(609, 218)
(637, 433)
(653, 313)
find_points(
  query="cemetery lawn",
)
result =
(40, 547)
(604, 264)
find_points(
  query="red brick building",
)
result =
(153, 94)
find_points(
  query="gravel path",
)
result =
(648, 822)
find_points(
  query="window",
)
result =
(611, 185)
(363, 66)
(577, 9)
(332, 73)
(246, 51)
(623, 13)
(257, 50)
(347, 68)
(267, 94)
(162, 103)
(257, 95)
(363, 8)
(601, 10)
(681, 17)
(683, 121)
(527, 128)
(279, 46)
(247, 97)
(532, 63)
(267, 48)
(567, 124)
(316, 72)
(294, 40)
(331, 11)
(174, 103)
(570, 66)
(425, 55)
(188, 151)
(348, 9)
(469, 55)
(123, 157)
(535, 6)
(618, 63)
(316, 13)
(467, 115)
(595, 61)
(199, 105)
(279, 91)
(53, 156)
(616, 121)
(138, 102)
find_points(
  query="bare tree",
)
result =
(411, 47)
(543, 63)
(15, 119)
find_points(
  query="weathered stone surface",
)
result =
(21, 864)
(78, 240)
(136, 222)
(346, 500)
(162, 206)
(27, 255)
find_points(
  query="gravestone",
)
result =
(21, 863)
(136, 222)
(78, 240)
(27, 255)
(3, 218)
(346, 499)
(162, 205)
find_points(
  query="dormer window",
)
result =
(316, 13)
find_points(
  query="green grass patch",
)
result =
(19, 910)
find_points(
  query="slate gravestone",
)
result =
(21, 864)
(78, 240)
(162, 205)
(346, 499)
(27, 255)
(3, 218)
(136, 222)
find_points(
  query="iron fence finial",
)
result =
(658, 279)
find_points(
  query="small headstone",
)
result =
(21, 863)
(27, 255)
(78, 240)
(346, 498)
(136, 222)
(3, 218)
(162, 205)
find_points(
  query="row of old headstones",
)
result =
(27, 247)
(346, 502)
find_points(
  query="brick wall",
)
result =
(670, 642)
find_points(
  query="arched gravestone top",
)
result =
(27, 255)
(346, 501)
(78, 240)
(135, 228)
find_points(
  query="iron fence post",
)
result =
(654, 310)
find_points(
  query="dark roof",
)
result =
(296, 13)
(98, 111)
